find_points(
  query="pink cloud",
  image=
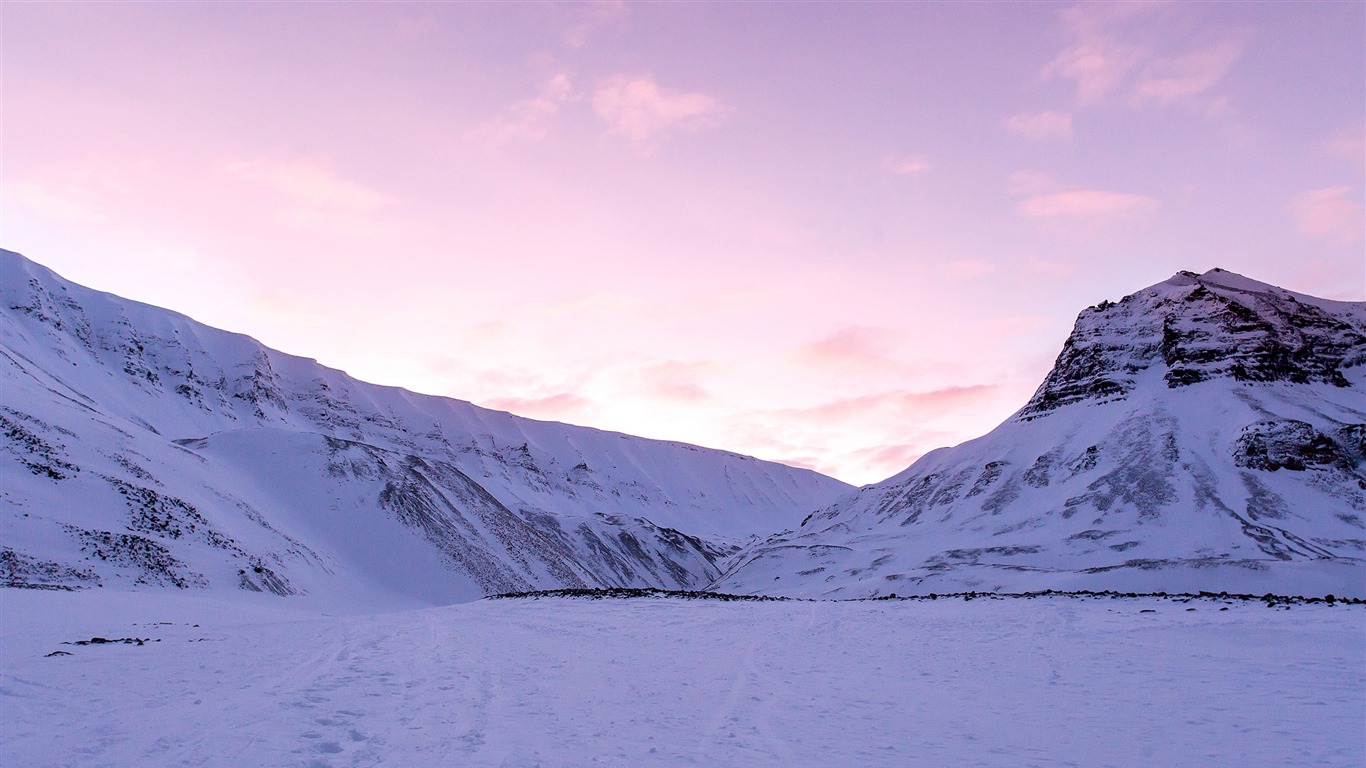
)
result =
(896, 423)
(541, 392)
(674, 380)
(591, 16)
(855, 346)
(310, 196)
(640, 109)
(1350, 145)
(812, 463)
(1087, 203)
(1115, 50)
(91, 191)
(903, 403)
(1046, 198)
(1330, 215)
(1167, 80)
(780, 443)
(527, 120)
(1041, 126)
(891, 458)
(1098, 61)
(1096, 69)
(907, 165)
(313, 196)
(563, 405)
(310, 182)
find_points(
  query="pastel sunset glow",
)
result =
(837, 235)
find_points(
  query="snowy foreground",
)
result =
(572, 682)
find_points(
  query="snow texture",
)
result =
(142, 448)
(561, 682)
(1207, 433)
(163, 485)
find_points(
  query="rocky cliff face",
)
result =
(1204, 433)
(140, 447)
(1197, 328)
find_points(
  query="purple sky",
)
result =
(832, 234)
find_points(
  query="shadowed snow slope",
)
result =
(1206, 433)
(141, 447)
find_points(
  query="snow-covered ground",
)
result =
(255, 680)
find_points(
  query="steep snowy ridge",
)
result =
(141, 447)
(1207, 433)
(1200, 328)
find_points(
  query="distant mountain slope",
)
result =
(142, 447)
(1206, 433)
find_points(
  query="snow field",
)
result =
(572, 682)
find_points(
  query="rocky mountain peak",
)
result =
(1198, 327)
(1205, 433)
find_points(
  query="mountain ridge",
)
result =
(1147, 459)
(174, 435)
(1204, 433)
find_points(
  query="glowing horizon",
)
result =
(833, 235)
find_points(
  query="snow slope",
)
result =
(143, 448)
(1206, 433)
(1049, 682)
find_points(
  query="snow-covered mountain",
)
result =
(1207, 433)
(142, 447)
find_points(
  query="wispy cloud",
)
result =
(900, 425)
(1095, 69)
(856, 347)
(881, 404)
(890, 459)
(1099, 59)
(1167, 80)
(562, 405)
(311, 195)
(1086, 203)
(1041, 126)
(1044, 198)
(310, 183)
(89, 191)
(1331, 215)
(592, 15)
(641, 110)
(528, 119)
(1115, 51)
(907, 165)
(673, 380)
(1349, 144)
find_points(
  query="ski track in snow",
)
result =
(558, 682)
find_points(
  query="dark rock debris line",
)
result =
(107, 641)
(622, 593)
